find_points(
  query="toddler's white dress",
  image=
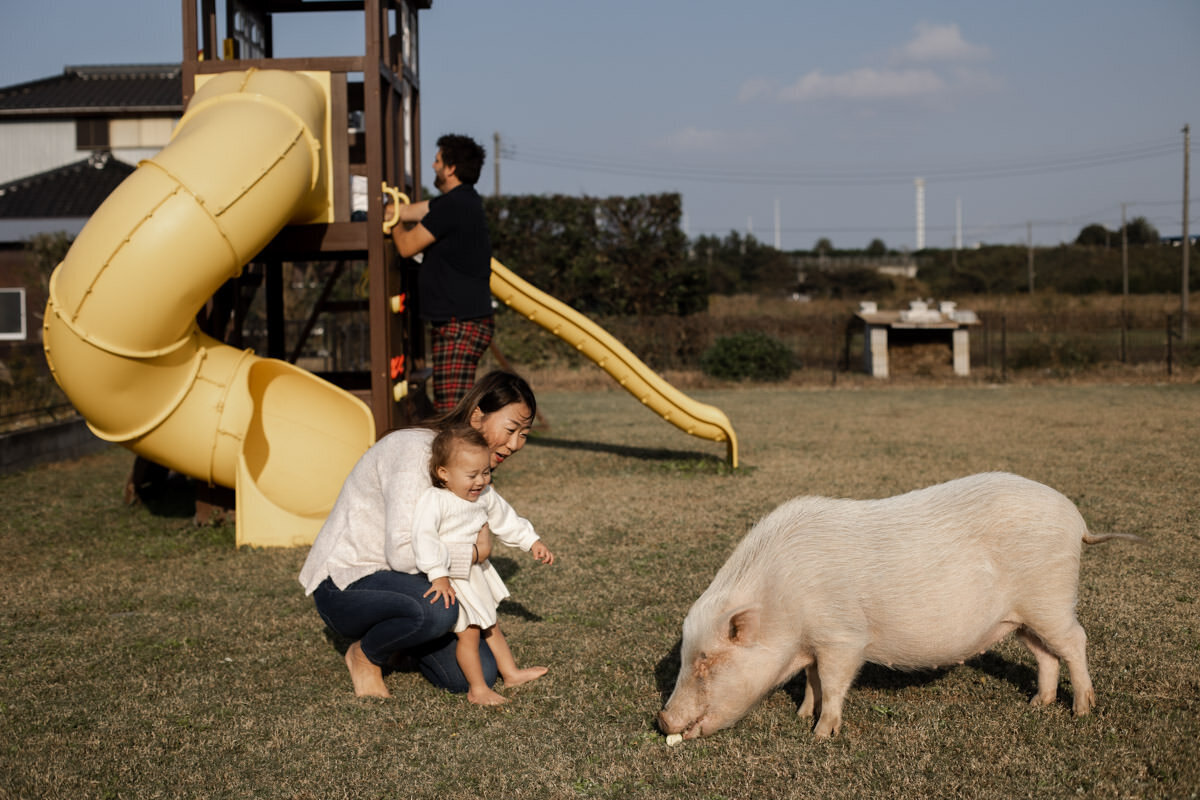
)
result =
(442, 516)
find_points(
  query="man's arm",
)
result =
(409, 235)
(410, 241)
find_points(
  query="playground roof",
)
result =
(121, 89)
(75, 190)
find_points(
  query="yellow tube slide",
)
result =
(120, 333)
(690, 416)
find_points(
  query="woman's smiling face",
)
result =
(505, 430)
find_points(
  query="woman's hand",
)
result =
(483, 544)
(441, 588)
(541, 553)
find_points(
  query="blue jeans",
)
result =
(386, 613)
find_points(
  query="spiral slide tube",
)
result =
(690, 416)
(120, 333)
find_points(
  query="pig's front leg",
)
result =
(811, 706)
(836, 669)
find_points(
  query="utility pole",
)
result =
(1183, 297)
(1124, 260)
(919, 185)
(1029, 244)
(496, 161)
(776, 223)
(958, 223)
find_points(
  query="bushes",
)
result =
(751, 355)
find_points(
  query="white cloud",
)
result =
(755, 88)
(931, 68)
(939, 43)
(865, 83)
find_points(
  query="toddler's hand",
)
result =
(441, 588)
(483, 544)
(541, 553)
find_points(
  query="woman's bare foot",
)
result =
(484, 696)
(517, 677)
(365, 675)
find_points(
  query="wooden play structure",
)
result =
(382, 88)
(143, 324)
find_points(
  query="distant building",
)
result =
(65, 143)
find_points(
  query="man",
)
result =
(453, 287)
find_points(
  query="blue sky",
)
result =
(1050, 113)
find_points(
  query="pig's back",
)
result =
(931, 576)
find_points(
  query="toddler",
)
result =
(459, 503)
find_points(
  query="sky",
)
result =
(791, 121)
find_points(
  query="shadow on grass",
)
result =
(628, 451)
(875, 676)
(171, 495)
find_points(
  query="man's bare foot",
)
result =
(484, 696)
(524, 675)
(366, 676)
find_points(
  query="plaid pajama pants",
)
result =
(457, 348)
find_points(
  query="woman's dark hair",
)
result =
(444, 444)
(490, 393)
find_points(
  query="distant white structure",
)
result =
(920, 183)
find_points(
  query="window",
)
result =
(140, 132)
(91, 133)
(12, 314)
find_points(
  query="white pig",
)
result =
(928, 578)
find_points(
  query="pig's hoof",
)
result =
(1084, 702)
(1037, 701)
(826, 730)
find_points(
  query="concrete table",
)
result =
(879, 323)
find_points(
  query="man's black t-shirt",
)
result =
(457, 268)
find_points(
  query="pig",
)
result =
(920, 580)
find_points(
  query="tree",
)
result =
(1140, 231)
(823, 246)
(877, 248)
(1095, 235)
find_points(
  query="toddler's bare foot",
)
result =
(526, 675)
(366, 676)
(484, 696)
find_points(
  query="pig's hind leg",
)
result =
(811, 706)
(1071, 646)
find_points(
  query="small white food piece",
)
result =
(674, 739)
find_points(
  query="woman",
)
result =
(361, 570)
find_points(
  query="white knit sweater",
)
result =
(442, 519)
(370, 526)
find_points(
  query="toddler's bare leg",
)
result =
(467, 654)
(506, 663)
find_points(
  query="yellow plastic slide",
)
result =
(249, 157)
(674, 406)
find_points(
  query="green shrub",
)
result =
(751, 355)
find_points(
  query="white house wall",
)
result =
(27, 148)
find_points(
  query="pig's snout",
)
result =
(669, 723)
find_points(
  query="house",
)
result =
(65, 143)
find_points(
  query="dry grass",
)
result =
(144, 657)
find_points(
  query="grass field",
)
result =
(142, 656)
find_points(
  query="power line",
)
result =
(557, 159)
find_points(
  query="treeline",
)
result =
(1067, 269)
(605, 256)
(628, 256)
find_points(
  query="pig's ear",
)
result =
(743, 625)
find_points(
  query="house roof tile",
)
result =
(75, 190)
(122, 89)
